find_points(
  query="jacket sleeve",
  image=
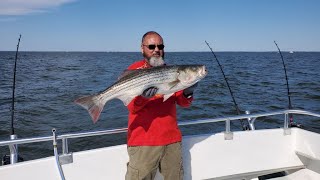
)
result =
(181, 100)
(137, 104)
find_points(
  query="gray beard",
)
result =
(156, 61)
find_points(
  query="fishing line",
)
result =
(14, 87)
(292, 124)
(244, 127)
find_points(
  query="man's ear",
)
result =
(142, 48)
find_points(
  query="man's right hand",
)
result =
(149, 92)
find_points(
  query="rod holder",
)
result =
(66, 157)
(13, 150)
(228, 135)
(65, 148)
(286, 129)
(54, 136)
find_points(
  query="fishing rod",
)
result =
(244, 127)
(14, 156)
(292, 124)
(14, 87)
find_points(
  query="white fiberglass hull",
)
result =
(248, 155)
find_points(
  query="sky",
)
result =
(185, 25)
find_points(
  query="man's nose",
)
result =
(156, 48)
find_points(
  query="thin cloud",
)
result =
(23, 7)
(8, 19)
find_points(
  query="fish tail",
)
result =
(93, 104)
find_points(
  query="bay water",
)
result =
(47, 83)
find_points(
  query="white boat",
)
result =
(286, 153)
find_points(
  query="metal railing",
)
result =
(228, 133)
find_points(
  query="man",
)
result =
(154, 138)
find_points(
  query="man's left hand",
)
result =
(189, 91)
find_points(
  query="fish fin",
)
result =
(127, 72)
(173, 84)
(126, 99)
(167, 96)
(94, 104)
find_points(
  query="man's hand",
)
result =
(149, 92)
(189, 91)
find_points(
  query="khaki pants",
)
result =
(145, 160)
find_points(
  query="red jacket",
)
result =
(153, 122)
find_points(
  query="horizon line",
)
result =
(140, 52)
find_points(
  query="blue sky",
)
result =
(100, 25)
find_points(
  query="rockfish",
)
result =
(168, 80)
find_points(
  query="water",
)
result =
(48, 82)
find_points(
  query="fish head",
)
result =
(191, 74)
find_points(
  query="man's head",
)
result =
(152, 48)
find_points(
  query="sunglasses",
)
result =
(153, 46)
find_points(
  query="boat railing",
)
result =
(228, 134)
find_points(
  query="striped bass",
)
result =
(168, 80)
